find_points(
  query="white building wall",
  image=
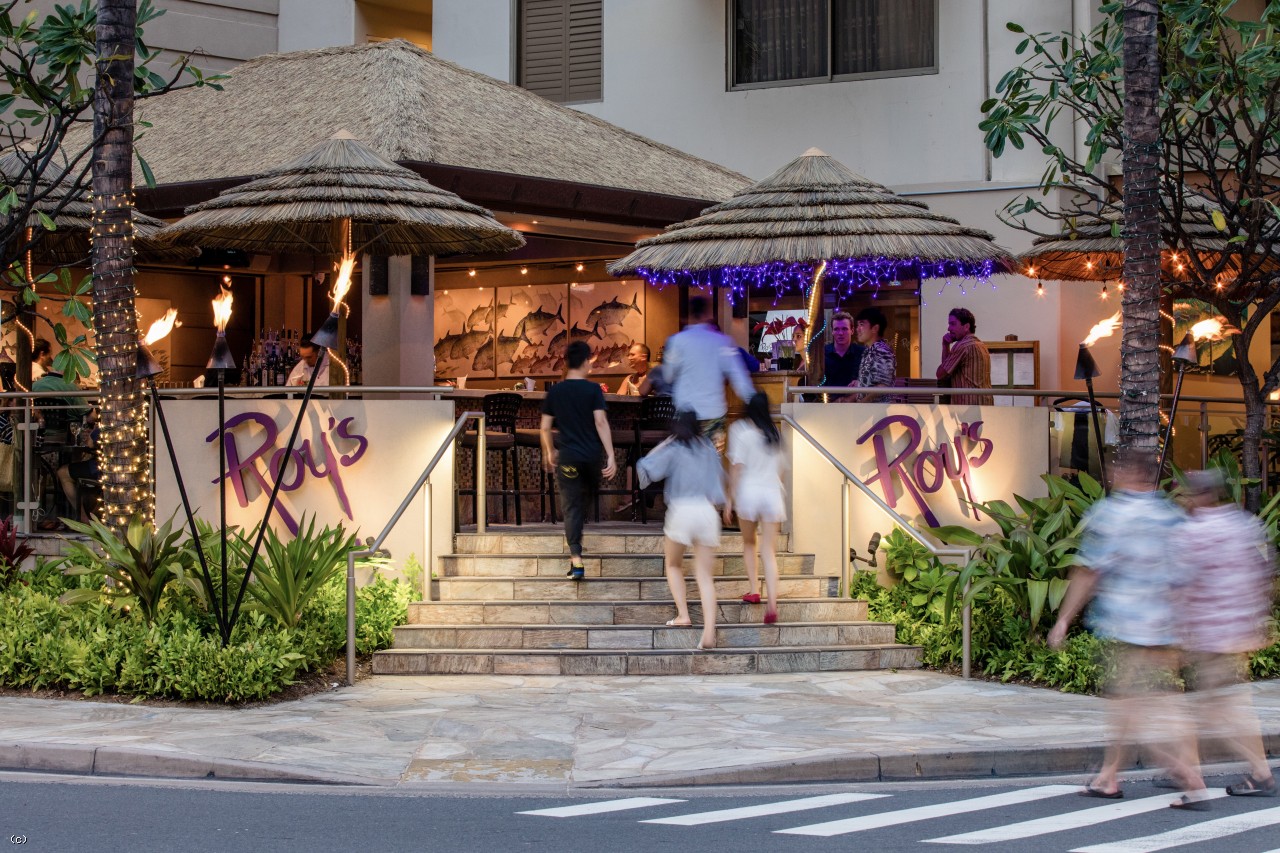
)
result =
(308, 24)
(476, 34)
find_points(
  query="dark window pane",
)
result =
(883, 35)
(779, 40)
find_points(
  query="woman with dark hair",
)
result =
(694, 487)
(755, 486)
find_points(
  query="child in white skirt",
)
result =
(694, 488)
(755, 453)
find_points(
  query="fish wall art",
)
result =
(535, 314)
(609, 316)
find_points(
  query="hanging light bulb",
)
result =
(1040, 288)
(1103, 295)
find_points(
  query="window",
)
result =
(810, 41)
(559, 49)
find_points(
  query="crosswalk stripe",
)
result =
(1207, 831)
(602, 806)
(764, 809)
(875, 821)
(1069, 820)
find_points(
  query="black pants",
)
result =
(579, 482)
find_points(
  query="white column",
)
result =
(398, 330)
(310, 24)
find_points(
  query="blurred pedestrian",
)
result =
(576, 408)
(1129, 569)
(1226, 614)
(696, 364)
(755, 477)
(689, 464)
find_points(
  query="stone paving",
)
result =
(559, 732)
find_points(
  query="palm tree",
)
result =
(122, 446)
(1140, 353)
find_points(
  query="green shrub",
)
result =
(132, 572)
(289, 572)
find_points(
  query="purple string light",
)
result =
(843, 275)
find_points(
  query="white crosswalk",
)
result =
(876, 821)
(1067, 820)
(1207, 827)
(765, 809)
(602, 806)
(1210, 830)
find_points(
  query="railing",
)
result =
(939, 551)
(424, 479)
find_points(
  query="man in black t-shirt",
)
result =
(576, 408)
(842, 357)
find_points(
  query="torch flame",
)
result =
(343, 283)
(222, 310)
(162, 327)
(1103, 329)
(1213, 329)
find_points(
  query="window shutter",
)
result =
(560, 50)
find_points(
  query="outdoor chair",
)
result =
(500, 412)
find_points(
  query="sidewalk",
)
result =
(556, 733)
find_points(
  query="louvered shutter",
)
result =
(560, 49)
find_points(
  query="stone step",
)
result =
(461, 613)
(726, 661)
(611, 589)
(650, 541)
(599, 565)
(627, 637)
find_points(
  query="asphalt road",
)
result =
(48, 813)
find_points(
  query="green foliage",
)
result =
(12, 552)
(1028, 559)
(289, 572)
(134, 571)
(98, 648)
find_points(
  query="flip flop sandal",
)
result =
(1251, 787)
(672, 623)
(1090, 791)
(1185, 802)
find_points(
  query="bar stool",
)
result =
(500, 437)
(653, 426)
(531, 439)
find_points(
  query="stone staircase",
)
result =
(504, 607)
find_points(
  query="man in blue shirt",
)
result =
(697, 362)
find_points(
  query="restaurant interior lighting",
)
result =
(580, 267)
(471, 273)
(524, 270)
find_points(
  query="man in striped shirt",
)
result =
(966, 363)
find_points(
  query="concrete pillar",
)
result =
(399, 330)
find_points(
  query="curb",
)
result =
(920, 766)
(90, 760)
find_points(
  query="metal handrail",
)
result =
(371, 548)
(939, 551)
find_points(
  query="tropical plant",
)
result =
(135, 568)
(290, 571)
(12, 552)
(784, 329)
(913, 566)
(1029, 558)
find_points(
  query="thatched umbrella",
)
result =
(813, 220)
(390, 210)
(68, 243)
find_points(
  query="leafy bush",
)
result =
(134, 571)
(290, 572)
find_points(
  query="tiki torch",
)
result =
(148, 368)
(1185, 356)
(326, 336)
(220, 361)
(1086, 369)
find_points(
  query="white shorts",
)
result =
(692, 521)
(754, 503)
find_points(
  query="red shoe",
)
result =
(751, 598)
(770, 616)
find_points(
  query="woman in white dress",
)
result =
(755, 489)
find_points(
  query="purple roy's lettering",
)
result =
(238, 467)
(343, 431)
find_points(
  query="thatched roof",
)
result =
(408, 106)
(811, 210)
(1091, 248)
(69, 242)
(294, 208)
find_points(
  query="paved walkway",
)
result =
(553, 732)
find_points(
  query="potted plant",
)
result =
(786, 333)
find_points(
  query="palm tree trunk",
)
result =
(122, 446)
(1140, 359)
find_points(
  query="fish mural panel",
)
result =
(534, 315)
(609, 316)
(464, 331)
